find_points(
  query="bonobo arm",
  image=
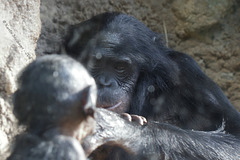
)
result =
(160, 140)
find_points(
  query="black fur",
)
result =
(170, 88)
(55, 101)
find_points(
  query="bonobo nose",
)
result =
(105, 81)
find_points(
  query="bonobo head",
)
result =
(54, 91)
(124, 57)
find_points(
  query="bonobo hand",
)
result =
(134, 118)
(111, 128)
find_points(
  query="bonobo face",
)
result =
(115, 73)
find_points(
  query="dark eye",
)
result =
(120, 68)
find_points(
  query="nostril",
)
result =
(103, 81)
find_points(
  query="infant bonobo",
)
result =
(56, 100)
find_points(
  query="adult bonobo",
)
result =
(188, 115)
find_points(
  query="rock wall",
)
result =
(19, 30)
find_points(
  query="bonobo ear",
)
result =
(77, 37)
(71, 41)
(74, 36)
(86, 102)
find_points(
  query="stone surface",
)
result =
(196, 17)
(19, 30)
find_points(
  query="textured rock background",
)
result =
(207, 30)
(19, 30)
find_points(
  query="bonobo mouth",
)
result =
(110, 106)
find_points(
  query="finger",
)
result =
(126, 117)
(144, 120)
(138, 119)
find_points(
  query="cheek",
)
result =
(115, 100)
(124, 107)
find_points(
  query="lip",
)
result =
(112, 107)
